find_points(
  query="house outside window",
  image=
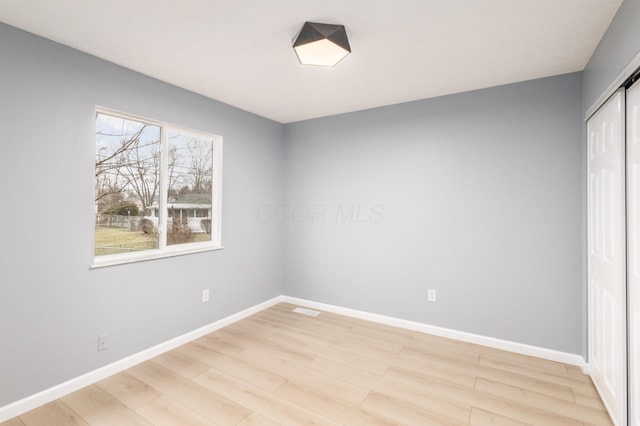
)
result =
(157, 190)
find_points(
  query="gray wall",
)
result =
(480, 200)
(617, 48)
(52, 307)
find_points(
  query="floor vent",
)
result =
(306, 312)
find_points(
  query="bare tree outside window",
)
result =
(127, 172)
(190, 185)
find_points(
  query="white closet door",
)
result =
(633, 224)
(607, 255)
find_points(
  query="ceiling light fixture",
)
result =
(321, 44)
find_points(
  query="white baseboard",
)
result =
(506, 345)
(29, 403)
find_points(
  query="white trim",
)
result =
(29, 403)
(162, 192)
(143, 256)
(164, 250)
(491, 342)
(216, 190)
(615, 85)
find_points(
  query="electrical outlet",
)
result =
(431, 295)
(205, 295)
(103, 342)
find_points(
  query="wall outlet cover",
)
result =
(103, 342)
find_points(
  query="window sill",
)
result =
(118, 259)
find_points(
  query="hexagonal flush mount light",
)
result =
(321, 44)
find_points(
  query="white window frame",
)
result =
(163, 249)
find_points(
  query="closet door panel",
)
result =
(607, 255)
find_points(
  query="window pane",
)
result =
(127, 185)
(190, 171)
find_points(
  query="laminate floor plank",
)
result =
(249, 372)
(16, 421)
(264, 403)
(458, 354)
(430, 401)
(338, 388)
(535, 372)
(282, 352)
(541, 401)
(279, 367)
(181, 364)
(405, 412)
(589, 397)
(255, 419)
(484, 418)
(167, 412)
(215, 407)
(55, 413)
(485, 401)
(128, 390)
(330, 407)
(467, 374)
(309, 345)
(283, 330)
(494, 352)
(213, 342)
(451, 369)
(97, 407)
(384, 335)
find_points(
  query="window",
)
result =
(157, 190)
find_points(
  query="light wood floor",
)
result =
(281, 367)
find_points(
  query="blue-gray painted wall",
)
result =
(476, 195)
(52, 307)
(619, 45)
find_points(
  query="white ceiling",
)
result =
(239, 51)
